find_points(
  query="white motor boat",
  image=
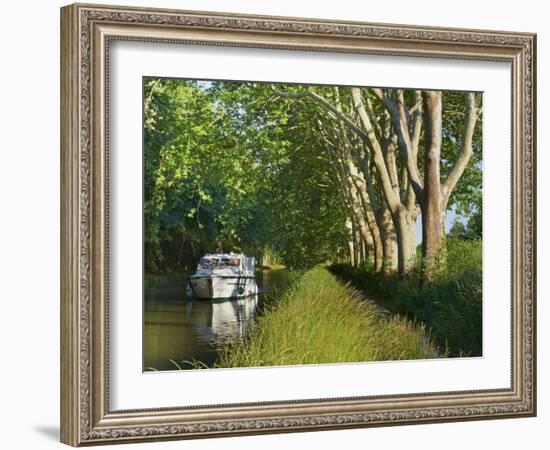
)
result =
(223, 275)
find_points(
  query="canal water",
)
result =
(178, 329)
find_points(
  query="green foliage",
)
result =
(467, 195)
(450, 305)
(318, 320)
(472, 230)
(239, 162)
(224, 161)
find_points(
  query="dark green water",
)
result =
(179, 329)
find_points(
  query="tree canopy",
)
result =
(291, 173)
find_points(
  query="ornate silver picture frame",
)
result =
(87, 32)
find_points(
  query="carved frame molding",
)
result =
(86, 31)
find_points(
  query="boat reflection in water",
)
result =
(178, 328)
(227, 320)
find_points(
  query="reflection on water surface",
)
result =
(180, 329)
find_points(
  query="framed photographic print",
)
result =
(275, 224)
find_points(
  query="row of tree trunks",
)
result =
(358, 185)
(431, 192)
(382, 195)
(360, 228)
(402, 215)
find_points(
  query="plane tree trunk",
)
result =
(430, 202)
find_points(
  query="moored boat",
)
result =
(223, 275)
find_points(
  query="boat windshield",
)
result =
(218, 262)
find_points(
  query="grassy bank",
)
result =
(450, 305)
(319, 320)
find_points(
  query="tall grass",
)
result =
(319, 320)
(449, 305)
